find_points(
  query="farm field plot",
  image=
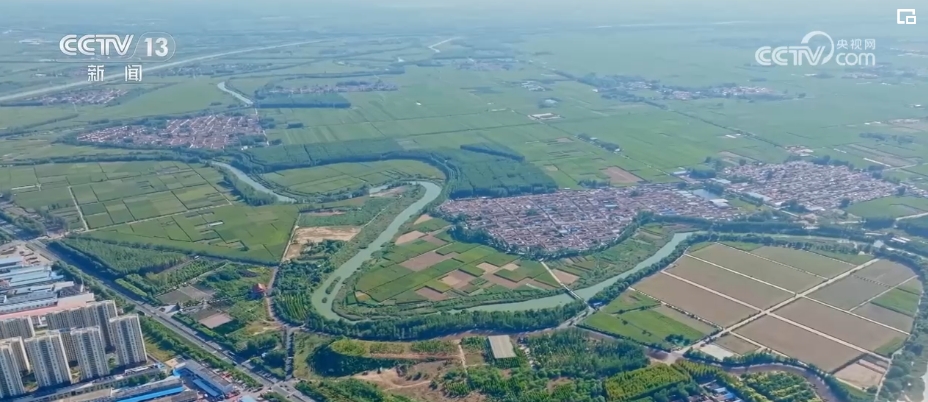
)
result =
(739, 287)
(120, 192)
(838, 324)
(349, 176)
(703, 304)
(796, 342)
(886, 272)
(735, 344)
(899, 300)
(430, 269)
(654, 326)
(258, 234)
(756, 267)
(893, 207)
(885, 316)
(804, 260)
(848, 292)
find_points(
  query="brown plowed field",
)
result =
(756, 267)
(703, 304)
(804, 260)
(886, 272)
(728, 283)
(796, 342)
(885, 316)
(848, 292)
(838, 324)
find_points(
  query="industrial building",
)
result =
(11, 379)
(210, 382)
(130, 345)
(91, 354)
(49, 363)
(28, 290)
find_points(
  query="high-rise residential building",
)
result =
(19, 351)
(91, 353)
(13, 327)
(130, 345)
(47, 356)
(11, 379)
(98, 314)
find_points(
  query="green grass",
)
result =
(431, 225)
(742, 246)
(474, 254)
(342, 177)
(893, 207)
(472, 269)
(899, 301)
(257, 234)
(630, 300)
(644, 326)
(455, 248)
(890, 347)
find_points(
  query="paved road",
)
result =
(62, 87)
(166, 320)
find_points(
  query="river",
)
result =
(222, 87)
(432, 191)
(588, 292)
(251, 182)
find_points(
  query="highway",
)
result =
(62, 87)
(269, 384)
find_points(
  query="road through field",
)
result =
(770, 310)
(62, 87)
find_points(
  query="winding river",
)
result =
(251, 182)
(222, 87)
(432, 191)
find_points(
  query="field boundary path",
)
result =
(569, 291)
(78, 208)
(228, 203)
(769, 312)
(236, 94)
(440, 43)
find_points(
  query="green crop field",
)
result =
(890, 207)
(899, 301)
(649, 325)
(342, 177)
(109, 193)
(257, 234)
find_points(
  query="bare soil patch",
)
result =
(512, 266)
(860, 375)
(739, 287)
(501, 281)
(461, 278)
(426, 260)
(391, 192)
(422, 218)
(565, 277)
(848, 292)
(838, 324)
(305, 236)
(564, 139)
(489, 269)
(408, 237)
(886, 272)
(757, 267)
(534, 283)
(618, 175)
(736, 344)
(796, 342)
(431, 294)
(885, 316)
(703, 304)
(551, 168)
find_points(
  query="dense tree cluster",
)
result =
(119, 260)
(249, 194)
(29, 226)
(572, 353)
(441, 324)
(268, 100)
(469, 173)
(492, 148)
